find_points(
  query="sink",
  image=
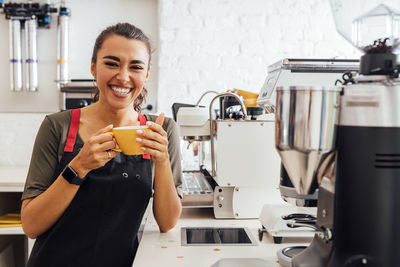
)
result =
(195, 236)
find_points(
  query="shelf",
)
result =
(12, 231)
(12, 178)
(11, 188)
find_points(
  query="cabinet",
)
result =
(15, 246)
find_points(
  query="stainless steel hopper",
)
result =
(305, 132)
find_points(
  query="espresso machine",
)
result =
(346, 138)
(233, 178)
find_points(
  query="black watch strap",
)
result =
(71, 176)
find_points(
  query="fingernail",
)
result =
(139, 131)
(143, 148)
(138, 139)
(149, 123)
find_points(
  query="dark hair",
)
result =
(128, 31)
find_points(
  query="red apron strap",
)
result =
(143, 121)
(73, 130)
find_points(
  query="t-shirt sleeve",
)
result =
(174, 150)
(44, 160)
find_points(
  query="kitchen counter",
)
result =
(164, 249)
(12, 178)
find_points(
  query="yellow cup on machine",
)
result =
(250, 98)
(126, 139)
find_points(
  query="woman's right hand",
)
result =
(95, 153)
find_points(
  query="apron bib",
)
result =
(99, 227)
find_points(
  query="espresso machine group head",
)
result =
(354, 129)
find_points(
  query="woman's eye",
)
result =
(112, 64)
(136, 67)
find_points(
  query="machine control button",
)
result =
(220, 198)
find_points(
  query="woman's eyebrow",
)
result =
(113, 58)
(135, 61)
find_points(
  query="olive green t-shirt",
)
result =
(49, 148)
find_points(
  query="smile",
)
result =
(121, 90)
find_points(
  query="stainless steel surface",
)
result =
(296, 224)
(325, 209)
(371, 104)
(74, 90)
(206, 236)
(212, 133)
(196, 191)
(15, 55)
(31, 60)
(285, 255)
(316, 65)
(298, 71)
(62, 48)
(290, 195)
(78, 86)
(204, 94)
(305, 131)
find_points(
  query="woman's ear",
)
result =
(93, 69)
(148, 74)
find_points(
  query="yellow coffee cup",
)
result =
(126, 139)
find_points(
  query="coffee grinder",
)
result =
(295, 219)
(358, 205)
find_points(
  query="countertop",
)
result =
(164, 249)
(12, 178)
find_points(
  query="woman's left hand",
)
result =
(155, 142)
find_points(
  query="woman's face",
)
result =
(121, 70)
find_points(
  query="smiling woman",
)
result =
(84, 201)
(110, 60)
(120, 75)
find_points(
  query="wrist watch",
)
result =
(71, 176)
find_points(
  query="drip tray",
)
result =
(205, 236)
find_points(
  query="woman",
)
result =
(83, 202)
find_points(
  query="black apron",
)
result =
(99, 227)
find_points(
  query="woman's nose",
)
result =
(123, 75)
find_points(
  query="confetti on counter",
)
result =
(217, 249)
(180, 257)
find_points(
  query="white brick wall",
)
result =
(225, 44)
(17, 135)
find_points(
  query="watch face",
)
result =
(69, 173)
(71, 176)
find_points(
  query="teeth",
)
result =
(120, 90)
